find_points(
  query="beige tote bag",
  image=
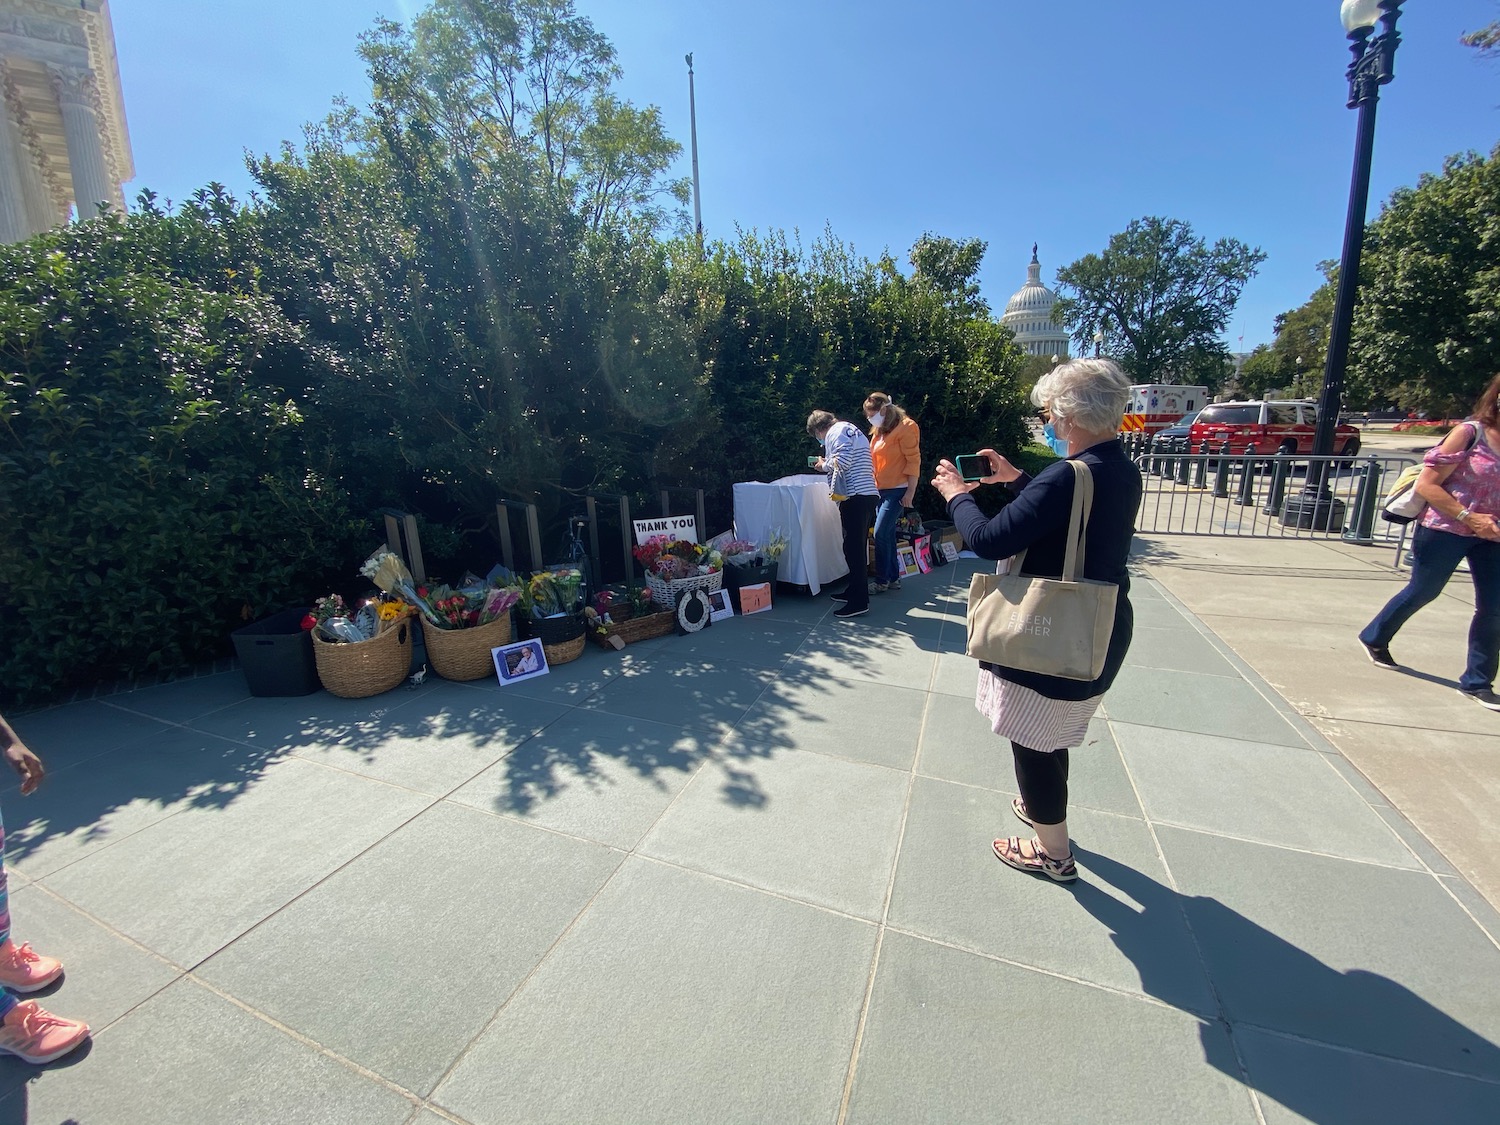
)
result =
(1055, 626)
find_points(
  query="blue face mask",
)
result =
(1049, 435)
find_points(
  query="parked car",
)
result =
(1165, 438)
(1269, 426)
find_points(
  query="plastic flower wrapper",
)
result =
(567, 586)
(738, 551)
(776, 544)
(497, 603)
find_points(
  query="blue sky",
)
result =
(1012, 122)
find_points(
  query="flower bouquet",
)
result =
(752, 563)
(675, 565)
(616, 619)
(360, 652)
(552, 611)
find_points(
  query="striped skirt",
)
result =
(1032, 719)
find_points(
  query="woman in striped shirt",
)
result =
(851, 485)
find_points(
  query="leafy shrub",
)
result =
(154, 486)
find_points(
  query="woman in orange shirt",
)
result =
(895, 447)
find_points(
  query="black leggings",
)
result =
(1043, 778)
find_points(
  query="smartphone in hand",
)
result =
(973, 466)
(812, 462)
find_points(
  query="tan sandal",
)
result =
(1009, 852)
(1018, 807)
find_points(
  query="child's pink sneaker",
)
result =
(38, 1036)
(22, 969)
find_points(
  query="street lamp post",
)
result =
(1373, 66)
(1098, 341)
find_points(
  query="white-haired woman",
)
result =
(1045, 716)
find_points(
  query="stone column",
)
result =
(13, 222)
(77, 97)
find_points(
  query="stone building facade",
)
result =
(64, 145)
(1029, 315)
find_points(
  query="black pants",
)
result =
(1043, 778)
(855, 516)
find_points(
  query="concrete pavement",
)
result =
(746, 877)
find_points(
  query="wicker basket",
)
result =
(564, 652)
(464, 654)
(635, 629)
(665, 593)
(353, 671)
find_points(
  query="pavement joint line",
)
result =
(1055, 974)
(1199, 830)
(1221, 1014)
(308, 1041)
(885, 906)
(1292, 1036)
(1012, 792)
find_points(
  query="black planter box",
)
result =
(746, 574)
(276, 655)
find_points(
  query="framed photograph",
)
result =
(922, 546)
(950, 550)
(523, 660)
(719, 606)
(906, 559)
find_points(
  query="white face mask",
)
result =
(878, 419)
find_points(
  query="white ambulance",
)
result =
(1154, 406)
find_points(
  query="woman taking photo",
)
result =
(895, 446)
(1461, 483)
(1044, 716)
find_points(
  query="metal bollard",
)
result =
(1200, 467)
(1183, 465)
(1246, 496)
(1221, 472)
(1362, 529)
(1282, 470)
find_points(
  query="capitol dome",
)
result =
(1029, 315)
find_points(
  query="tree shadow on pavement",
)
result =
(1278, 992)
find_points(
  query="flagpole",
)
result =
(693, 128)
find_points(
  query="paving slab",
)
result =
(1350, 954)
(708, 695)
(823, 830)
(951, 888)
(97, 804)
(1255, 791)
(440, 746)
(65, 736)
(593, 775)
(856, 719)
(1301, 1082)
(922, 1060)
(862, 654)
(185, 700)
(226, 1068)
(189, 884)
(378, 963)
(677, 997)
(1204, 704)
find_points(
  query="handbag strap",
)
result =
(1078, 523)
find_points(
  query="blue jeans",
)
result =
(1435, 556)
(886, 568)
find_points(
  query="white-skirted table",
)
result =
(800, 507)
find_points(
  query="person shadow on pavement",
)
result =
(1278, 1004)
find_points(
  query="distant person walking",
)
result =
(851, 484)
(26, 1029)
(1044, 716)
(896, 449)
(1460, 481)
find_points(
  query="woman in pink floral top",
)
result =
(1461, 483)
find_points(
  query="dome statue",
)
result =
(1029, 315)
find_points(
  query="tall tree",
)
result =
(1427, 328)
(500, 79)
(1162, 297)
(951, 268)
(1486, 40)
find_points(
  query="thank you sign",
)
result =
(678, 527)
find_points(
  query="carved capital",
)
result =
(75, 86)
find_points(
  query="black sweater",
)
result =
(1036, 521)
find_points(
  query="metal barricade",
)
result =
(1265, 496)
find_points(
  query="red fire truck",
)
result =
(1157, 405)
